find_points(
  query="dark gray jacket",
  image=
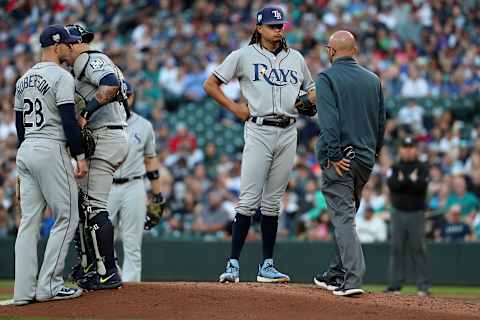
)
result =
(350, 112)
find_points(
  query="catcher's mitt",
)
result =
(154, 211)
(88, 142)
(304, 106)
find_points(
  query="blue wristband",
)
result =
(92, 106)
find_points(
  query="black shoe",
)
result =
(94, 281)
(78, 272)
(392, 290)
(341, 291)
(327, 283)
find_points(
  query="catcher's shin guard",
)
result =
(101, 229)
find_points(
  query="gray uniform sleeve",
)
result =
(149, 150)
(65, 92)
(229, 67)
(308, 83)
(97, 68)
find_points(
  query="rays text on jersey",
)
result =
(33, 81)
(274, 77)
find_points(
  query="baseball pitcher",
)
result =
(271, 76)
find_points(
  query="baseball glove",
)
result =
(305, 107)
(88, 142)
(154, 211)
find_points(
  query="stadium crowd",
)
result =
(420, 49)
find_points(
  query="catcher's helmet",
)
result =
(78, 30)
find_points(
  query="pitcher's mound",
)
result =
(243, 301)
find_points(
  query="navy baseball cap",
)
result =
(79, 31)
(56, 34)
(271, 15)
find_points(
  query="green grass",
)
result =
(435, 290)
(6, 284)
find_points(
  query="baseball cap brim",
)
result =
(270, 23)
(73, 39)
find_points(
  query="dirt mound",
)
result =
(244, 301)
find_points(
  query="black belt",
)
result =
(279, 121)
(125, 180)
(116, 127)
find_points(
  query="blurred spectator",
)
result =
(371, 228)
(411, 116)
(414, 86)
(454, 229)
(321, 228)
(183, 139)
(214, 217)
(468, 201)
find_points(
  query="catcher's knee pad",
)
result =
(87, 211)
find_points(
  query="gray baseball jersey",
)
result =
(141, 140)
(89, 69)
(38, 94)
(127, 202)
(269, 83)
(46, 179)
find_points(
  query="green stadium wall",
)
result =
(188, 260)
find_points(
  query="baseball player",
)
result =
(271, 75)
(127, 203)
(46, 123)
(100, 91)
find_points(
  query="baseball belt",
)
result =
(277, 121)
(125, 180)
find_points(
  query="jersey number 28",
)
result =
(36, 119)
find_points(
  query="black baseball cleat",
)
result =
(78, 272)
(327, 283)
(94, 281)
(342, 291)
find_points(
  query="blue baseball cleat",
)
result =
(232, 272)
(268, 274)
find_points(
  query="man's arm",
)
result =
(396, 180)
(20, 127)
(329, 121)
(212, 88)
(152, 166)
(106, 93)
(381, 123)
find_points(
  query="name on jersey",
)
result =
(274, 77)
(33, 81)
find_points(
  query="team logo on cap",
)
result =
(259, 18)
(277, 14)
(56, 37)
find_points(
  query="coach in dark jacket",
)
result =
(408, 182)
(351, 120)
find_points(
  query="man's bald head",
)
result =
(344, 44)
